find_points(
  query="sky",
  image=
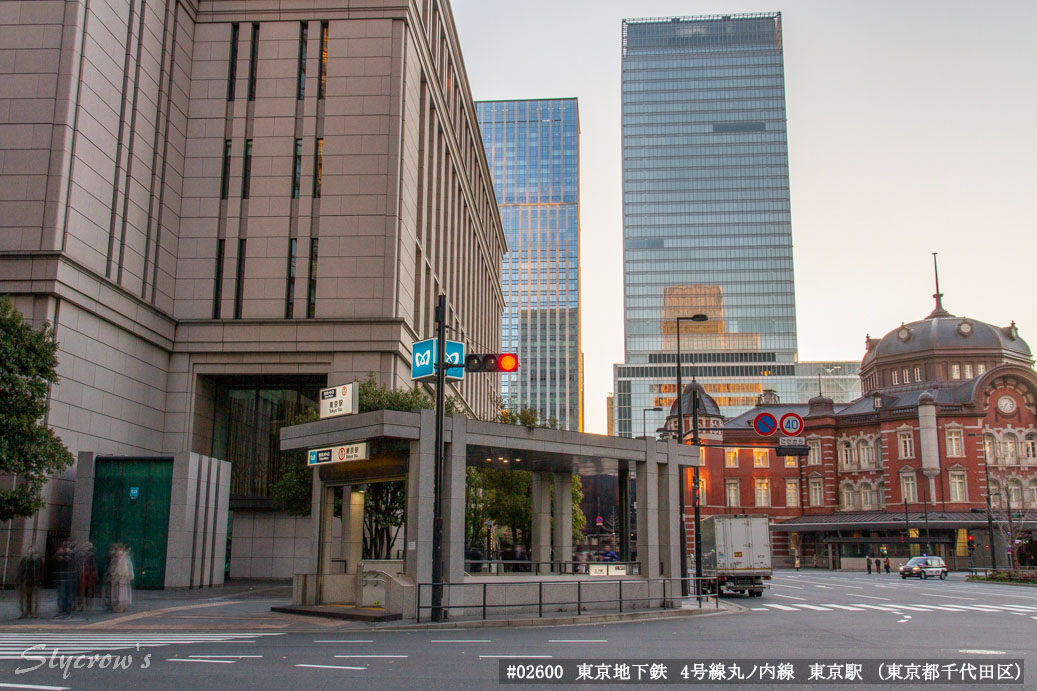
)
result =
(912, 129)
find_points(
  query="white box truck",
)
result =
(737, 550)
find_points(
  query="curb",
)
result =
(573, 620)
(993, 582)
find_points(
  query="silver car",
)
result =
(924, 567)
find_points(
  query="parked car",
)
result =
(924, 567)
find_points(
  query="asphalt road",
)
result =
(805, 615)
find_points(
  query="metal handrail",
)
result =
(708, 588)
(510, 566)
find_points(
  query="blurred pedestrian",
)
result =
(86, 574)
(878, 565)
(65, 574)
(797, 563)
(120, 578)
(867, 561)
(30, 576)
(885, 563)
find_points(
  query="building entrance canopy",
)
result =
(402, 445)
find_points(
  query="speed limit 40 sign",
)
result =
(790, 424)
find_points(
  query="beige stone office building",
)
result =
(224, 206)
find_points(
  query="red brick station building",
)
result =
(947, 418)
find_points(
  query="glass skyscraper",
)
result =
(706, 214)
(533, 151)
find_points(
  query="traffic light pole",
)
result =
(437, 518)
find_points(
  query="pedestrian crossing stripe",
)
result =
(14, 645)
(913, 607)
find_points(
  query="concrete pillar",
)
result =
(454, 461)
(541, 518)
(562, 538)
(648, 512)
(323, 513)
(352, 527)
(420, 498)
(670, 514)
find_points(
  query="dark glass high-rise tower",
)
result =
(706, 213)
(533, 151)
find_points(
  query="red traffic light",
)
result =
(491, 362)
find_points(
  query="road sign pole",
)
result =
(437, 517)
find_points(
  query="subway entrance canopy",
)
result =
(401, 445)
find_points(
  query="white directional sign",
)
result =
(790, 424)
(339, 400)
(339, 454)
(792, 441)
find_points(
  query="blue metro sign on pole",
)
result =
(423, 355)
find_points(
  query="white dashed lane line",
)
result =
(789, 597)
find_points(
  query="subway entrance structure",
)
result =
(401, 445)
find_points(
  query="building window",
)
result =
(1033, 493)
(731, 458)
(896, 378)
(958, 492)
(1009, 449)
(763, 491)
(232, 70)
(761, 458)
(311, 292)
(790, 462)
(864, 449)
(318, 166)
(846, 455)
(323, 77)
(225, 174)
(289, 297)
(994, 490)
(981, 368)
(246, 171)
(253, 62)
(791, 492)
(297, 169)
(968, 370)
(702, 491)
(301, 91)
(217, 293)
(906, 444)
(955, 446)
(817, 492)
(909, 488)
(814, 458)
(849, 497)
(1031, 447)
(239, 281)
(867, 497)
(731, 492)
(907, 376)
(918, 374)
(1015, 495)
(955, 371)
(990, 448)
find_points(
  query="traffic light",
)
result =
(491, 362)
(972, 543)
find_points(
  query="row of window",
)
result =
(246, 169)
(239, 279)
(957, 371)
(253, 64)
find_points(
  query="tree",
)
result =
(29, 449)
(383, 515)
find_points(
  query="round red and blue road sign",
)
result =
(765, 424)
(791, 424)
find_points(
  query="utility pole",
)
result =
(437, 518)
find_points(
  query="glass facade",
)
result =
(533, 151)
(706, 213)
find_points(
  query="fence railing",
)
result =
(587, 595)
(497, 567)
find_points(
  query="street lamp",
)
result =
(644, 424)
(694, 441)
(990, 519)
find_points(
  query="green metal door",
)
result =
(131, 505)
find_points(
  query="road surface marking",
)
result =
(184, 659)
(32, 686)
(974, 651)
(817, 607)
(514, 657)
(577, 640)
(1017, 608)
(759, 609)
(872, 597)
(881, 608)
(784, 607)
(782, 585)
(216, 656)
(981, 608)
(330, 667)
(901, 621)
(372, 656)
(789, 597)
(847, 607)
(462, 640)
(952, 597)
(343, 641)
